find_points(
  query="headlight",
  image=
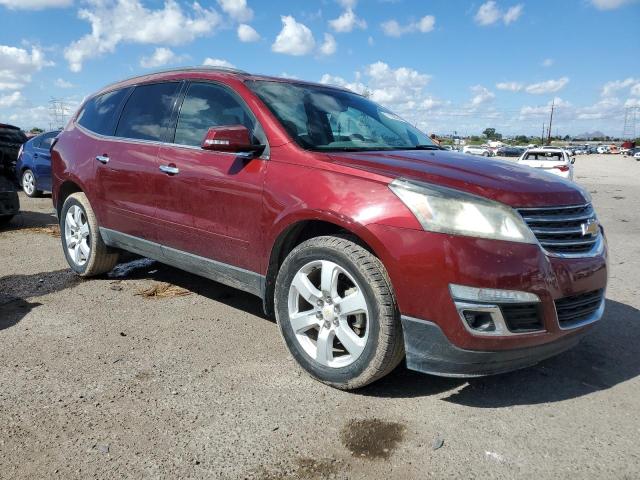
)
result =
(445, 210)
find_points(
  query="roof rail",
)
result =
(181, 69)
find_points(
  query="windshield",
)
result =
(328, 119)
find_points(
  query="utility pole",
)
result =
(542, 136)
(551, 121)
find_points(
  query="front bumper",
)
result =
(429, 351)
(422, 266)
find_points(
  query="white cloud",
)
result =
(35, 4)
(347, 22)
(27, 118)
(18, 64)
(161, 56)
(236, 9)
(510, 86)
(247, 33)
(294, 39)
(547, 62)
(61, 83)
(489, 13)
(395, 88)
(512, 14)
(635, 90)
(482, 95)
(116, 21)
(347, 3)
(217, 62)
(562, 110)
(329, 46)
(550, 86)
(611, 88)
(392, 28)
(610, 4)
(10, 100)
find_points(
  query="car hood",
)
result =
(502, 181)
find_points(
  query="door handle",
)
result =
(35, 155)
(169, 169)
(104, 159)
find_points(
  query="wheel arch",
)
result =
(66, 188)
(299, 231)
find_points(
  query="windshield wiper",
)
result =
(427, 147)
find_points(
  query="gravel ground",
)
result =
(122, 377)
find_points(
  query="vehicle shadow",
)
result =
(606, 357)
(15, 289)
(133, 267)
(28, 219)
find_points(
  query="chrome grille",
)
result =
(560, 230)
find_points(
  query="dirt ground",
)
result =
(123, 376)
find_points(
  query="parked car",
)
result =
(632, 151)
(509, 152)
(556, 161)
(366, 241)
(602, 149)
(478, 150)
(33, 167)
(11, 138)
(637, 155)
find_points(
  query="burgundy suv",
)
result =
(367, 242)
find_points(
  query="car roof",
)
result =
(208, 72)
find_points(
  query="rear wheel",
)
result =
(337, 312)
(82, 243)
(29, 184)
(5, 219)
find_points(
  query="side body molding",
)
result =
(235, 277)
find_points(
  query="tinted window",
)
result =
(98, 113)
(45, 140)
(146, 114)
(206, 105)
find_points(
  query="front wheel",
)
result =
(82, 243)
(29, 184)
(337, 312)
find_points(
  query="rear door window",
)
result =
(98, 114)
(147, 112)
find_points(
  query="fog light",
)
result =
(491, 295)
(480, 321)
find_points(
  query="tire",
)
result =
(5, 219)
(485, 154)
(28, 183)
(82, 244)
(373, 351)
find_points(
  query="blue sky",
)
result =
(444, 65)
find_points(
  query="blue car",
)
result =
(33, 168)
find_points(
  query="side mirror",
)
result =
(230, 138)
(573, 159)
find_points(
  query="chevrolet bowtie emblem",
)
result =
(589, 228)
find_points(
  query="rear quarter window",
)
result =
(98, 114)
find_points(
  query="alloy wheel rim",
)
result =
(28, 183)
(77, 235)
(328, 313)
